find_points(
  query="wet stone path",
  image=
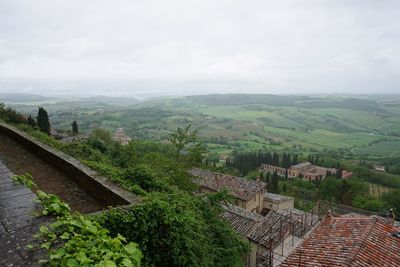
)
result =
(47, 178)
(17, 223)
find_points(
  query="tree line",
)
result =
(41, 121)
(248, 161)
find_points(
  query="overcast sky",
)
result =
(188, 47)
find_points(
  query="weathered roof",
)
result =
(241, 220)
(241, 188)
(316, 170)
(301, 165)
(269, 229)
(276, 197)
(348, 241)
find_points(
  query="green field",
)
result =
(377, 190)
(384, 148)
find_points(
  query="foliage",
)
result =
(368, 203)
(144, 176)
(76, 240)
(143, 147)
(100, 139)
(185, 140)
(300, 189)
(43, 121)
(24, 179)
(84, 151)
(43, 137)
(181, 230)
(9, 115)
(392, 199)
(167, 169)
(52, 205)
(385, 179)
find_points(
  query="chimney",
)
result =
(391, 217)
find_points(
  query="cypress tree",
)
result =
(74, 128)
(275, 159)
(295, 160)
(269, 158)
(284, 160)
(275, 183)
(284, 189)
(43, 121)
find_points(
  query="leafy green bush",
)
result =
(177, 229)
(24, 179)
(52, 205)
(76, 240)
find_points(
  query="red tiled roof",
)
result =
(348, 241)
(241, 188)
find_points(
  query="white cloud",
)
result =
(298, 46)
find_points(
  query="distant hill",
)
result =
(15, 97)
(293, 101)
(29, 98)
(111, 100)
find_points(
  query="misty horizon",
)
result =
(188, 48)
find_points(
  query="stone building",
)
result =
(277, 202)
(120, 136)
(306, 170)
(249, 194)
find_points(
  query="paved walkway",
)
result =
(17, 224)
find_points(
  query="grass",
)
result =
(384, 148)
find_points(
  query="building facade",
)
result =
(305, 170)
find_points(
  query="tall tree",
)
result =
(185, 139)
(74, 128)
(275, 159)
(274, 183)
(268, 158)
(295, 160)
(43, 121)
(339, 172)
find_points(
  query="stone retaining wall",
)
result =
(98, 186)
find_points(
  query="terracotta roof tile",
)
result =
(348, 241)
